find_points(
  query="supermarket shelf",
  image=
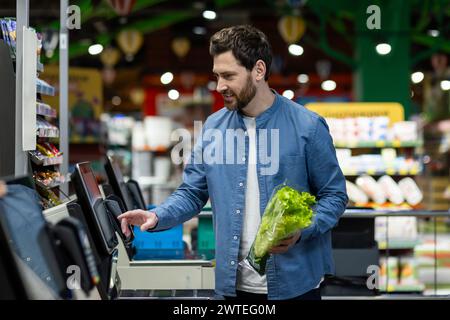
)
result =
(368, 213)
(47, 161)
(397, 244)
(378, 144)
(419, 287)
(390, 172)
(45, 110)
(43, 87)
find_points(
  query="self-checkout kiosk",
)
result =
(41, 260)
(100, 218)
(154, 274)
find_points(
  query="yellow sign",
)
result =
(394, 111)
(85, 101)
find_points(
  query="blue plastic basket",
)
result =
(166, 244)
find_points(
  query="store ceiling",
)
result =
(161, 21)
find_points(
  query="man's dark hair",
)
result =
(247, 44)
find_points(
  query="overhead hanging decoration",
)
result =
(108, 75)
(291, 28)
(122, 7)
(110, 56)
(181, 46)
(130, 41)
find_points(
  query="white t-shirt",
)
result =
(249, 280)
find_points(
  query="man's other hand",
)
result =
(285, 244)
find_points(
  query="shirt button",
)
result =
(235, 237)
(28, 259)
(232, 263)
(243, 159)
(241, 184)
(238, 211)
(246, 133)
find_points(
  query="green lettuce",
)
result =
(287, 212)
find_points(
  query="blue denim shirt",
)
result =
(307, 160)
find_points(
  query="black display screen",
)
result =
(90, 183)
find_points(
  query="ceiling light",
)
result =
(95, 49)
(173, 94)
(433, 33)
(445, 85)
(288, 94)
(209, 14)
(116, 100)
(417, 77)
(167, 78)
(328, 85)
(302, 78)
(296, 50)
(383, 48)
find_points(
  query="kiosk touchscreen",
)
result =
(129, 192)
(90, 199)
(100, 226)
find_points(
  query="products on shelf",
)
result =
(383, 190)
(46, 154)
(365, 129)
(430, 255)
(48, 178)
(8, 28)
(376, 164)
(410, 191)
(371, 188)
(408, 275)
(44, 88)
(48, 197)
(46, 129)
(396, 232)
(45, 110)
(391, 190)
(399, 274)
(119, 129)
(389, 273)
(405, 130)
(157, 132)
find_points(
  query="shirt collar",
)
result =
(262, 118)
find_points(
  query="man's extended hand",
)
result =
(285, 244)
(145, 219)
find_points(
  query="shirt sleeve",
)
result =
(326, 180)
(189, 198)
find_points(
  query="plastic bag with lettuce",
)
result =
(287, 212)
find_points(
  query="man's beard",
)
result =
(245, 96)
